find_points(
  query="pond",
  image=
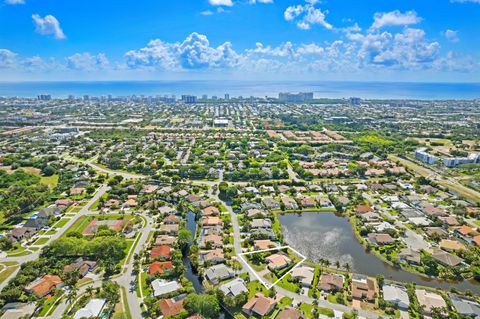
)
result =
(325, 235)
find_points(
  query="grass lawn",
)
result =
(6, 272)
(41, 241)
(50, 181)
(18, 251)
(285, 301)
(306, 309)
(84, 281)
(119, 312)
(143, 284)
(51, 232)
(287, 284)
(50, 305)
(326, 311)
(254, 287)
(332, 298)
(78, 225)
(130, 243)
(83, 221)
(62, 222)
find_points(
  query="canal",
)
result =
(325, 235)
(190, 274)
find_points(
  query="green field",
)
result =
(50, 181)
(62, 222)
(41, 241)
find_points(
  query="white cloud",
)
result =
(15, 1)
(292, 12)
(227, 3)
(206, 13)
(395, 18)
(261, 1)
(308, 15)
(48, 25)
(451, 35)
(87, 62)
(7, 59)
(194, 52)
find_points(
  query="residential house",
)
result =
(270, 203)
(44, 285)
(170, 307)
(410, 256)
(92, 309)
(80, 265)
(170, 229)
(290, 313)
(234, 288)
(217, 273)
(262, 244)
(380, 239)
(164, 240)
(289, 203)
(304, 275)
(331, 282)
(163, 287)
(429, 300)
(397, 295)
(259, 305)
(278, 261)
(363, 287)
(214, 256)
(445, 258)
(466, 307)
(160, 267)
(160, 252)
(307, 202)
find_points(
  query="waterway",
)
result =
(190, 274)
(325, 235)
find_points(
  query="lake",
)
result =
(325, 235)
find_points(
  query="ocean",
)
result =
(321, 89)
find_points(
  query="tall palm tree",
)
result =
(89, 290)
(347, 266)
(72, 294)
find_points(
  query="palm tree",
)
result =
(337, 264)
(327, 263)
(89, 290)
(347, 266)
(72, 294)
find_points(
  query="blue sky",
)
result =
(391, 40)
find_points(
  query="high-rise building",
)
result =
(423, 156)
(189, 99)
(204, 97)
(355, 100)
(295, 97)
(227, 96)
(44, 97)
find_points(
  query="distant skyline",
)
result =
(366, 40)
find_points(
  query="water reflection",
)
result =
(327, 236)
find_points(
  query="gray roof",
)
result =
(397, 295)
(234, 287)
(218, 272)
(162, 287)
(465, 306)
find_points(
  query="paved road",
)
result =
(301, 298)
(90, 162)
(126, 279)
(34, 255)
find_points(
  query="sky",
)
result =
(343, 40)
